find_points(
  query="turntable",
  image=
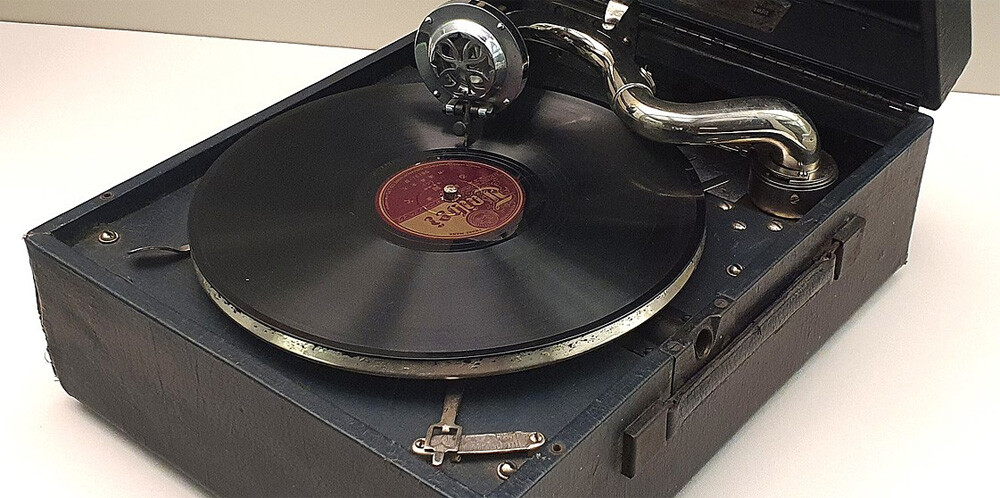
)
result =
(538, 247)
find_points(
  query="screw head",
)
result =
(501, 26)
(793, 199)
(739, 226)
(428, 20)
(536, 437)
(108, 237)
(734, 270)
(720, 303)
(725, 205)
(506, 469)
(775, 226)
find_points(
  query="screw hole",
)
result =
(107, 195)
(703, 343)
(557, 448)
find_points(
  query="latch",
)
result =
(651, 430)
(446, 437)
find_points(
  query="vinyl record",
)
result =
(357, 231)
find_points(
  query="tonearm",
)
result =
(473, 58)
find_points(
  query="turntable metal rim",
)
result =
(455, 369)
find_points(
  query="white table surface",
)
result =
(904, 400)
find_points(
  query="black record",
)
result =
(286, 233)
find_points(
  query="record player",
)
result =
(534, 248)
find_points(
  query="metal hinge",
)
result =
(649, 432)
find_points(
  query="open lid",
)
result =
(910, 51)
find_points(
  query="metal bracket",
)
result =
(446, 437)
(614, 12)
(478, 444)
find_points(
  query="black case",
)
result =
(140, 343)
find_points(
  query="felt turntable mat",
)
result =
(286, 226)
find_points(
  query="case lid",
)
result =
(907, 51)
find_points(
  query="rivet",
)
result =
(739, 226)
(108, 237)
(734, 270)
(775, 226)
(725, 206)
(506, 469)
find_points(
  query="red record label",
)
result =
(451, 199)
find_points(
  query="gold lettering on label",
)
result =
(458, 210)
(494, 194)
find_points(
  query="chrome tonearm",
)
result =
(791, 176)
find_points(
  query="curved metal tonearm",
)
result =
(769, 120)
(787, 182)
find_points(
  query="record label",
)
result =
(451, 199)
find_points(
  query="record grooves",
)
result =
(288, 238)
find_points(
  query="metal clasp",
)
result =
(446, 437)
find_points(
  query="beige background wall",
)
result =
(358, 23)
